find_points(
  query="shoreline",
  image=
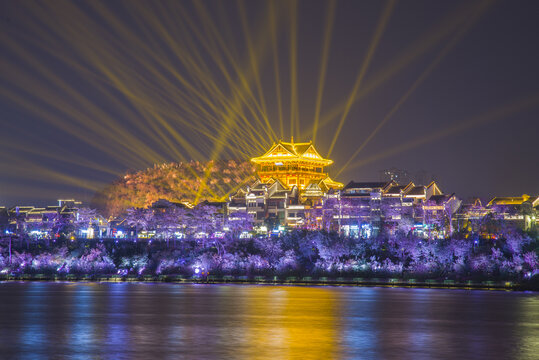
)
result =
(276, 280)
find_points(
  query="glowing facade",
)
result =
(294, 164)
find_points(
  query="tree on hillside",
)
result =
(184, 181)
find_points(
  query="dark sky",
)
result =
(92, 89)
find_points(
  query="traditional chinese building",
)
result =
(295, 164)
(517, 210)
(291, 180)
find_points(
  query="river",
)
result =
(40, 320)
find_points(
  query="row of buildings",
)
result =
(49, 221)
(364, 209)
(294, 191)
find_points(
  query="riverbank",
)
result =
(311, 258)
(276, 280)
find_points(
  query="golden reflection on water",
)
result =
(147, 321)
(290, 322)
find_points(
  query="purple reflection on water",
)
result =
(142, 321)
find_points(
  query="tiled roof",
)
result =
(439, 199)
(295, 148)
(416, 191)
(296, 151)
(330, 183)
(365, 185)
(280, 194)
(512, 200)
(396, 189)
(260, 186)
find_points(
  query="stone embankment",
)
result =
(278, 280)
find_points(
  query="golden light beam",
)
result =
(92, 77)
(237, 105)
(46, 94)
(31, 170)
(234, 189)
(201, 96)
(71, 91)
(441, 55)
(252, 57)
(139, 101)
(190, 88)
(220, 142)
(259, 49)
(382, 22)
(330, 17)
(71, 159)
(190, 149)
(443, 28)
(293, 75)
(273, 22)
(492, 115)
(75, 131)
(243, 80)
(107, 128)
(164, 128)
(145, 109)
(227, 126)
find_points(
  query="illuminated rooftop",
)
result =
(294, 164)
(291, 151)
(514, 200)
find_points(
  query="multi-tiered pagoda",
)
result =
(294, 164)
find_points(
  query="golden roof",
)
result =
(511, 200)
(332, 184)
(291, 151)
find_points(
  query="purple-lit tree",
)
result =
(238, 223)
(8, 238)
(271, 250)
(331, 212)
(62, 224)
(168, 222)
(331, 248)
(93, 261)
(203, 221)
(140, 219)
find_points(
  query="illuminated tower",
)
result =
(292, 164)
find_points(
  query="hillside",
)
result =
(174, 182)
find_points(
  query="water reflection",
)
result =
(286, 322)
(33, 335)
(361, 333)
(142, 321)
(82, 330)
(528, 329)
(116, 322)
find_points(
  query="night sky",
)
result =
(447, 89)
